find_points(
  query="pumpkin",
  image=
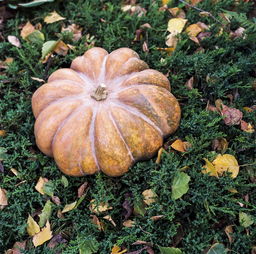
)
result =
(106, 112)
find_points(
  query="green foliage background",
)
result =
(198, 219)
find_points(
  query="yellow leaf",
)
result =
(128, 223)
(53, 17)
(164, 2)
(102, 207)
(158, 159)
(3, 197)
(149, 196)
(27, 30)
(167, 50)
(61, 48)
(209, 168)
(193, 30)
(180, 146)
(2, 133)
(226, 163)
(176, 25)
(32, 227)
(40, 184)
(117, 250)
(69, 207)
(44, 235)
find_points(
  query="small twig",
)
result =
(201, 10)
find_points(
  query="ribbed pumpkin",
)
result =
(104, 113)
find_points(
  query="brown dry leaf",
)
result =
(109, 218)
(180, 146)
(157, 217)
(27, 30)
(204, 14)
(189, 83)
(129, 223)
(53, 17)
(38, 79)
(177, 12)
(18, 248)
(117, 250)
(56, 200)
(193, 30)
(69, 207)
(220, 144)
(145, 47)
(247, 127)
(171, 41)
(14, 41)
(14, 171)
(102, 207)
(61, 48)
(159, 154)
(222, 163)
(229, 231)
(60, 215)
(5, 64)
(149, 196)
(96, 221)
(176, 25)
(2, 133)
(75, 29)
(134, 10)
(44, 235)
(32, 227)
(81, 189)
(248, 109)
(3, 198)
(40, 184)
(232, 116)
(194, 2)
(238, 33)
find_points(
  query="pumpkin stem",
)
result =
(100, 93)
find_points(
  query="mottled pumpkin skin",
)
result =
(85, 135)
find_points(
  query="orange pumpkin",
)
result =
(104, 113)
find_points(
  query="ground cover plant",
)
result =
(192, 197)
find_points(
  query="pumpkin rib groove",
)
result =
(92, 137)
(112, 118)
(136, 112)
(103, 69)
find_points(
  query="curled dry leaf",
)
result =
(247, 127)
(220, 144)
(180, 146)
(100, 208)
(38, 79)
(189, 83)
(109, 218)
(149, 196)
(177, 12)
(159, 154)
(193, 30)
(56, 200)
(2, 133)
(171, 41)
(157, 217)
(128, 223)
(81, 189)
(238, 33)
(222, 163)
(75, 29)
(229, 231)
(53, 17)
(3, 198)
(14, 41)
(27, 30)
(56, 240)
(96, 221)
(40, 184)
(44, 235)
(32, 227)
(5, 64)
(61, 48)
(69, 207)
(232, 116)
(117, 250)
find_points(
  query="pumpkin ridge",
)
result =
(63, 80)
(102, 75)
(92, 137)
(136, 112)
(112, 118)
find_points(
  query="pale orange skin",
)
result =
(85, 135)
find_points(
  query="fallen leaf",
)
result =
(217, 248)
(145, 47)
(180, 146)
(180, 185)
(167, 50)
(139, 208)
(96, 221)
(232, 116)
(176, 25)
(40, 184)
(47, 49)
(169, 250)
(81, 189)
(56, 200)
(193, 30)
(149, 196)
(229, 231)
(171, 40)
(3, 198)
(247, 127)
(128, 223)
(14, 41)
(38, 79)
(222, 163)
(32, 227)
(27, 30)
(156, 217)
(127, 205)
(45, 214)
(61, 48)
(75, 29)
(117, 250)
(220, 144)
(177, 12)
(56, 240)
(189, 83)
(44, 235)
(238, 33)
(204, 14)
(69, 207)
(245, 219)
(14, 171)
(99, 208)
(159, 153)
(2, 133)
(53, 17)
(109, 218)
(36, 37)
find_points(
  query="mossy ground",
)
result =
(193, 222)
